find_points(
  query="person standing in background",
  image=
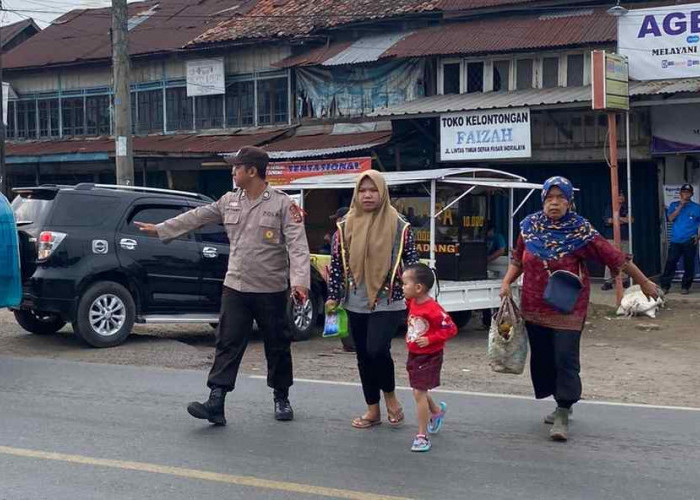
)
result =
(684, 214)
(624, 239)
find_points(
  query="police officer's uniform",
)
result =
(268, 250)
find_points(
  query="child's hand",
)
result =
(422, 341)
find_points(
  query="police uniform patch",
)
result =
(270, 235)
(297, 213)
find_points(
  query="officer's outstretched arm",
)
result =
(189, 221)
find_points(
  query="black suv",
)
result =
(85, 262)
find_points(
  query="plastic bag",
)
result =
(635, 303)
(507, 340)
(336, 324)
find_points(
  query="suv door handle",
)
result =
(128, 244)
(210, 252)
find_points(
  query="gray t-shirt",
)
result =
(357, 301)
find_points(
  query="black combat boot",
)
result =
(212, 409)
(283, 408)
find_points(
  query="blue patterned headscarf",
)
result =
(551, 239)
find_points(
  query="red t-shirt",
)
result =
(430, 320)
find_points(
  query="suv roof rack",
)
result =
(188, 194)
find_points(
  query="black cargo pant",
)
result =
(238, 310)
(688, 251)
(372, 333)
(554, 364)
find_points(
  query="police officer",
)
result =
(268, 249)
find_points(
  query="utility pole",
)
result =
(122, 94)
(3, 166)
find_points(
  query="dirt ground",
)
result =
(629, 360)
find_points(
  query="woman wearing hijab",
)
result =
(551, 240)
(371, 245)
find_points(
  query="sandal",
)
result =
(395, 418)
(365, 423)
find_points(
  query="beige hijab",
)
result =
(370, 237)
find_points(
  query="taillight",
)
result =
(48, 242)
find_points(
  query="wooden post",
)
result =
(615, 187)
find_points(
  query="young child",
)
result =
(429, 327)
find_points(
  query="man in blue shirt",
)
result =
(685, 216)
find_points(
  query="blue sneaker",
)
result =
(421, 443)
(436, 419)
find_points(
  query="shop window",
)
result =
(48, 118)
(550, 72)
(97, 114)
(179, 108)
(574, 70)
(73, 113)
(150, 111)
(523, 74)
(451, 78)
(240, 104)
(501, 75)
(475, 77)
(26, 119)
(11, 125)
(272, 101)
(209, 112)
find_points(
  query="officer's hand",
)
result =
(147, 228)
(300, 294)
(331, 305)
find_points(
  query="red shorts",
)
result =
(424, 370)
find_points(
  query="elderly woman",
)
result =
(372, 243)
(558, 239)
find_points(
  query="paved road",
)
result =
(75, 430)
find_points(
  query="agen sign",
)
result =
(661, 43)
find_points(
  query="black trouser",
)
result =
(688, 251)
(238, 310)
(372, 333)
(554, 364)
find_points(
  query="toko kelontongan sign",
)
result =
(485, 135)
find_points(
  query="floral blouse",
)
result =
(535, 277)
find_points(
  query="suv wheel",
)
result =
(38, 322)
(303, 318)
(106, 313)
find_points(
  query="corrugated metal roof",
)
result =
(180, 144)
(310, 146)
(505, 34)
(314, 56)
(84, 34)
(10, 31)
(488, 100)
(366, 49)
(454, 5)
(298, 18)
(661, 87)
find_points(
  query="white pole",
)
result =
(433, 200)
(629, 179)
(511, 202)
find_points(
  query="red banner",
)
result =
(284, 172)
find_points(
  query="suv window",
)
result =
(152, 214)
(29, 209)
(83, 210)
(214, 233)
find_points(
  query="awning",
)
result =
(316, 141)
(533, 98)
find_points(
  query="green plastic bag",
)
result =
(336, 325)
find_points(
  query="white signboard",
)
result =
(205, 77)
(485, 135)
(661, 43)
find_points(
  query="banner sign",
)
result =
(675, 129)
(610, 82)
(661, 43)
(205, 77)
(284, 172)
(485, 135)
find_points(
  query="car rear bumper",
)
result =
(35, 296)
